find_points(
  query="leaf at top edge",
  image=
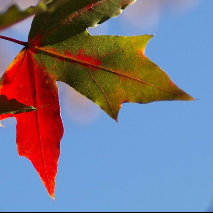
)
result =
(12, 107)
(14, 14)
(71, 18)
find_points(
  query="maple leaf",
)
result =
(109, 70)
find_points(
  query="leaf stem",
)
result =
(14, 41)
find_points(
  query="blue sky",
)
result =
(159, 157)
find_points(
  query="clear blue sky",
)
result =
(159, 157)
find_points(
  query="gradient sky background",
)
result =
(159, 157)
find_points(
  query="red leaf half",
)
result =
(38, 133)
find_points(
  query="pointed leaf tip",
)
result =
(190, 98)
(52, 195)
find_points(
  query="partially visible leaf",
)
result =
(14, 14)
(71, 18)
(12, 107)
